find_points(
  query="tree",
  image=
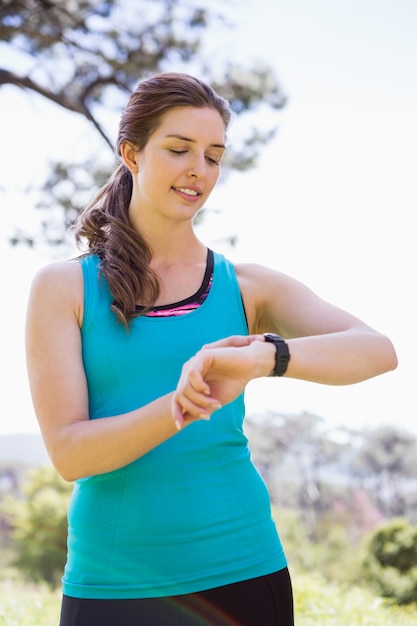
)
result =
(387, 463)
(296, 451)
(391, 561)
(86, 57)
(39, 523)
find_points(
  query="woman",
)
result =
(138, 356)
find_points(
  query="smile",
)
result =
(188, 192)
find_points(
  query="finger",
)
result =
(234, 341)
(184, 411)
(177, 414)
(258, 337)
(197, 383)
(199, 405)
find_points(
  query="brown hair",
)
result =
(104, 223)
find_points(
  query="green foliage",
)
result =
(25, 604)
(39, 523)
(325, 571)
(333, 553)
(391, 561)
(317, 603)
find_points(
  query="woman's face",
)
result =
(180, 164)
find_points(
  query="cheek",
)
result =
(165, 167)
(151, 173)
(215, 176)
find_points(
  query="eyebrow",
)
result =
(213, 145)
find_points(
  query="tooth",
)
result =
(190, 192)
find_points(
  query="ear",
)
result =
(129, 155)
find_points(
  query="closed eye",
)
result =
(211, 160)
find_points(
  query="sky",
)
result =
(330, 203)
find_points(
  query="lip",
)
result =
(186, 196)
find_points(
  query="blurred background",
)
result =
(319, 182)
(328, 197)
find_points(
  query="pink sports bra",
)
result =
(189, 304)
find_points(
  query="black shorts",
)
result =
(263, 601)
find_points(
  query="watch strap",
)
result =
(282, 353)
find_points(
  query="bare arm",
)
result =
(327, 345)
(80, 447)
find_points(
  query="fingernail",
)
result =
(178, 424)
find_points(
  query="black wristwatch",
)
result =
(282, 354)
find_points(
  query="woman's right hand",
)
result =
(218, 374)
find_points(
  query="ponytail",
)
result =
(104, 224)
(124, 254)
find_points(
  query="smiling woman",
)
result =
(139, 353)
(170, 129)
(183, 155)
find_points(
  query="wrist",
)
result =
(262, 359)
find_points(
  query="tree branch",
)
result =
(24, 82)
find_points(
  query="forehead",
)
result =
(196, 124)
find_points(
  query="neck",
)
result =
(181, 252)
(174, 245)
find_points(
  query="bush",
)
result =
(391, 561)
(39, 523)
(317, 603)
(332, 552)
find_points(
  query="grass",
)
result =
(317, 603)
(320, 603)
(23, 604)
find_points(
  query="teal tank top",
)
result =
(191, 514)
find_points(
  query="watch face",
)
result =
(272, 337)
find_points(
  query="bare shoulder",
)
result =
(259, 282)
(253, 273)
(60, 286)
(259, 285)
(56, 272)
(277, 302)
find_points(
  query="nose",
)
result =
(197, 167)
